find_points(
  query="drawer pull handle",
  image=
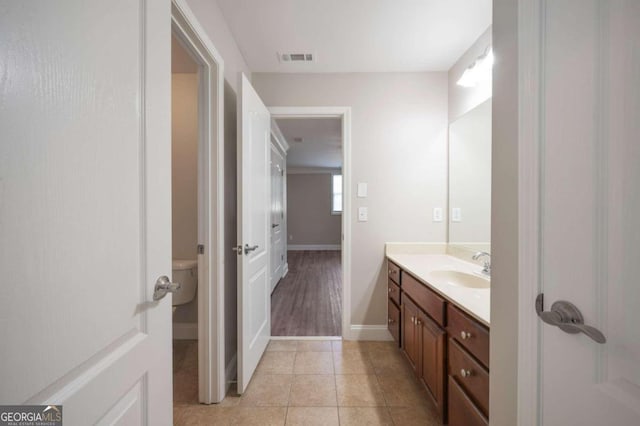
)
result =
(391, 321)
(413, 320)
(465, 373)
(392, 271)
(390, 289)
(418, 322)
(465, 335)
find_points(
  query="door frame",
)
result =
(530, 149)
(211, 356)
(344, 113)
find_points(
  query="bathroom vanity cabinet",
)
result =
(447, 349)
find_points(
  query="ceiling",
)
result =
(356, 35)
(181, 61)
(321, 145)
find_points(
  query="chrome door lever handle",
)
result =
(566, 316)
(164, 286)
(248, 249)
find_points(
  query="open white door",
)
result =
(277, 216)
(590, 207)
(85, 216)
(254, 227)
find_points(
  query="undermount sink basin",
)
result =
(461, 279)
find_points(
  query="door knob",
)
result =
(568, 318)
(248, 249)
(164, 286)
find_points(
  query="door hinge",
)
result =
(200, 248)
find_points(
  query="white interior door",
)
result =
(591, 210)
(277, 216)
(85, 216)
(254, 225)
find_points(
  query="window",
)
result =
(336, 194)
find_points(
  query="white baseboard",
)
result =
(285, 270)
(230, 372)
(299, 247)
(185, 331)
(369, 332)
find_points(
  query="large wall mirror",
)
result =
(470, 179)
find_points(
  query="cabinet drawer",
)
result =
(461, 410)
(394, 291)
(394, 272)
(475, 380)
(394, 321)
(469, 333)
(426, 299)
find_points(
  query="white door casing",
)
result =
(580, 158)
(277, 216)
(211, 269)
(254, 225)
(85, 216)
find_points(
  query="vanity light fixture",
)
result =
(479, 70)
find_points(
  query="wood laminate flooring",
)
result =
(308, 301)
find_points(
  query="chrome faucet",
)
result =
(487, 261)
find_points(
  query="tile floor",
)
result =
(310, 383)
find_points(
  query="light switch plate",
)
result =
(456, 214)
(362, 190)
(437, 214)
(363, 214)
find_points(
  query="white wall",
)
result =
(399, 147)
(464, 99)
(504, 216)
(184, 177)
(309, 218)
(212, 20)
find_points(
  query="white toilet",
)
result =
(185, 272)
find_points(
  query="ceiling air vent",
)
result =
(296, 57)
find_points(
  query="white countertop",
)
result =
(475, 301)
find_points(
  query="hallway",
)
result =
(311, 383)
(308, 301)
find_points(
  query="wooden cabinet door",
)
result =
(409, 334)
(431, 365)
(394, 321)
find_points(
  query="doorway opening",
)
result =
(308, 220)
(197, 211)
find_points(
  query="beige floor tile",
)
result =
(313, 363)
(402, 391)
(268, 390)
(348, 345)
(178, 414)
(365, 416)
(390, 362)
(358, 390)
(276, 363)
(352, 362)
(387, 346)
(314, 346)
(312, 416)
(282, 346)
(414, 416)
(197, 415)
(185, 387)
(310, 390)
